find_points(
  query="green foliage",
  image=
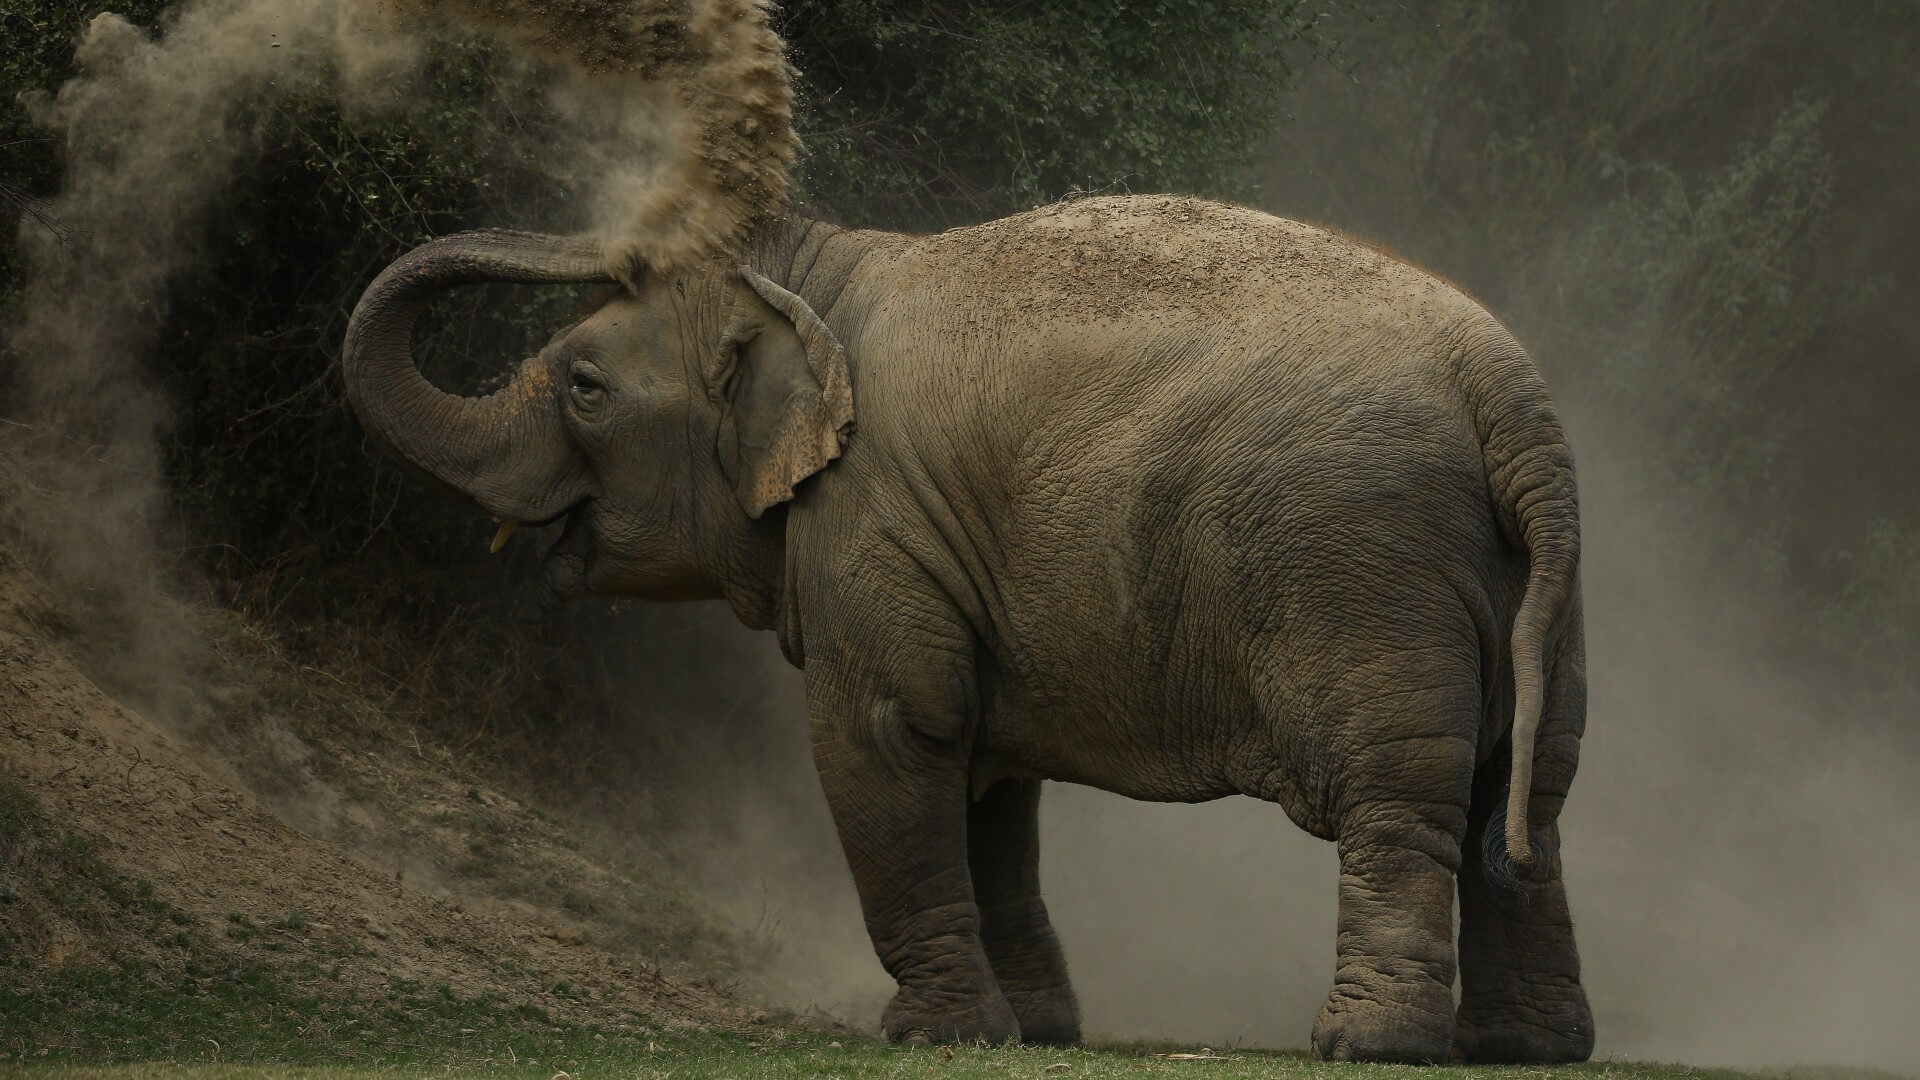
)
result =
(919, 114)
(1719, 262)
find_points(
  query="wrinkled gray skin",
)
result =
(1174, 499)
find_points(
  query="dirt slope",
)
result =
(500, 902)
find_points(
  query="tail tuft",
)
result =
(1507, 877)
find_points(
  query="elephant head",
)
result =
(667, 427)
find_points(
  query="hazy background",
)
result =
(1698, 216)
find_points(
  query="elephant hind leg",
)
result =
(1405, 780)
(1521, 1000)
(1003, 851)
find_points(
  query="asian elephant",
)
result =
(1169, 497)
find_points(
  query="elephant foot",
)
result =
(948, 1018)
(1361, 1029)
(1553, 1028)
(1048, 1016)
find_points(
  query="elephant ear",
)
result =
(780, 379)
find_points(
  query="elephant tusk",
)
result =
(507, 528)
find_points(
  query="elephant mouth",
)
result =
(569, 562)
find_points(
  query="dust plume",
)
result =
(680, 136)
(152, 131)
(723, 160)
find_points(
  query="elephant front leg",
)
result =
(892, 755)
(1003, 846)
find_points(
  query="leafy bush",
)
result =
(921, 114)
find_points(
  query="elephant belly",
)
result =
(1139, 752)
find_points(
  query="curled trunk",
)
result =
(506, 451)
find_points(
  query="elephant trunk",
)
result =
(506, 451)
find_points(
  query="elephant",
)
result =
(1166, 496)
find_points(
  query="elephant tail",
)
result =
(1530, 483)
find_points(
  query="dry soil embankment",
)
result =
(404, 866)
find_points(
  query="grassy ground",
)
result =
(209, 1023)
(737, 1058)
(217, 1025)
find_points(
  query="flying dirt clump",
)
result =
(723, 67)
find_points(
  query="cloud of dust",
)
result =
(681, 134)
(152, 130)
(717, 719)
(718, 113)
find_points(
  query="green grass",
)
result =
(810, 1055)
(213, 1024)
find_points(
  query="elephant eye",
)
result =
(588, 384)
